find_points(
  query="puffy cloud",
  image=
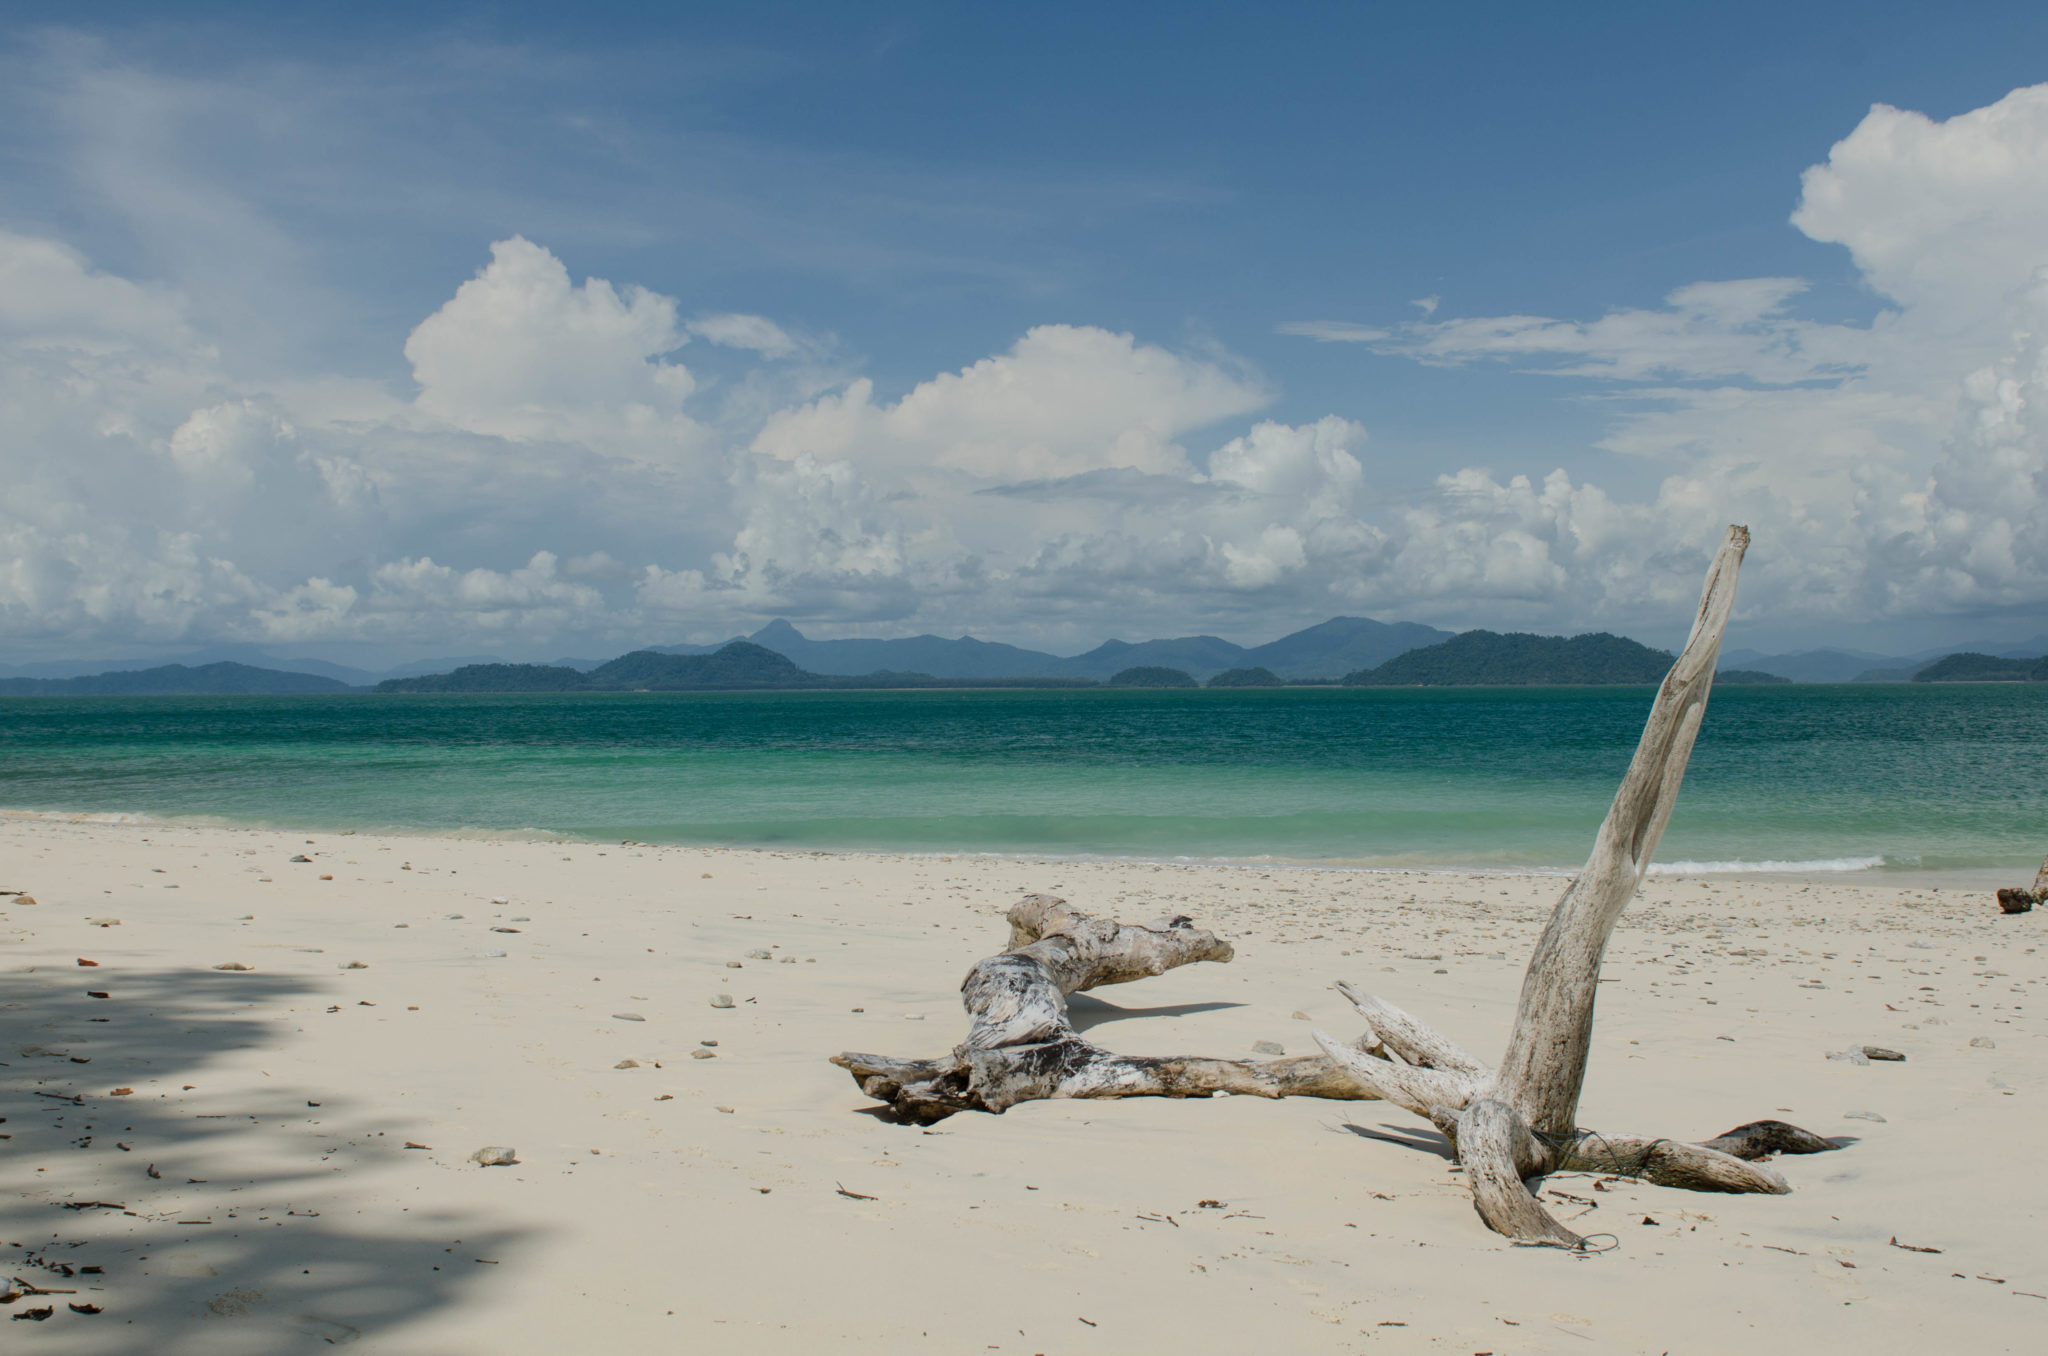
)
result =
(1065, 400)
(523, 353)
(1943, 217)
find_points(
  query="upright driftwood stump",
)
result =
(1507, 1124)
(1518, 1121)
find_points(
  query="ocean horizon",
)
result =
(1804, 778)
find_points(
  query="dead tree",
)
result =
(1506, 1125)
(1519, 1121)
(1021, 1044)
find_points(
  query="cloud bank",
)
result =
(555, 472)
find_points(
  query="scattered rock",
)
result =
(701, 1053)
(627, 1064)
(353, 965)
(734, 965)
(1983, 1043)
(760, 955)
(1879, 1052)
(1853, 1055)
(1268, 1048)
(495, 1156)
(504, 929)
(1302, 1017)
(301, 858)
(913, 1016)
(83, 961)
(627, 1017)
(1864, 1116)
(233, 965)
(721, 1000)
(326, 877)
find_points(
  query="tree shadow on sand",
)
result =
(197, 1222)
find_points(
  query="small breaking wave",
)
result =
(1800, 868)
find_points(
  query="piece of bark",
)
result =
(1021, 1045)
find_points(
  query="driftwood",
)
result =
(1022, 1046)
(2022, 900)
(1507, 1125)
(1518, 1122)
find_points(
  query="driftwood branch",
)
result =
(1021, 1044)
(1519, 1121)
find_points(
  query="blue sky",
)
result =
(1380, 261)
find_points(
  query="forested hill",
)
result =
(175, 680)
(1518, 659)
(1983, 668)
(737, 667)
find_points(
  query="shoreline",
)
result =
(552, 996)
(1988, 879)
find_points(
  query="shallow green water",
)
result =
(1910, 776)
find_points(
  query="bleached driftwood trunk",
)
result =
(1021, 1045)
(1507, 1125)
(1519, 1121)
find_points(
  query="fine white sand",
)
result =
(693, 1204)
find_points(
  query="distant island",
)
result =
(1518, 659)
(1346, 651)
(176, 680)
(1983, 668)
(739, 666)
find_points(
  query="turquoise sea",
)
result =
(1836, 777)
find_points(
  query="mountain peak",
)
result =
(777, 630)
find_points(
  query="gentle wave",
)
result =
(1726, 868)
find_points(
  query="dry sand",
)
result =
(720, 1204)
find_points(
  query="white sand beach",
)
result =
(290, 1166)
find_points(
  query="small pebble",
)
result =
(301, 857)
(913, 1016)
(701, 1053)
(353, 965)
(1983, 1043)
(233, 965)
(734, 965)
(712, 1044)
(1879, 1052)
(1864, 1116)
(627, 1064)
(1302, 1017)
(627, 1017)
(495, 1156)
(1268, 1048)
(721, 1000)
(760, 955)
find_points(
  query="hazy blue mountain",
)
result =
(1811, 666)
(1339, 646)
(1196, 656)
(1325, 650)
(224, 678)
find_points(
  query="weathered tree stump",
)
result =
(1022, 1046)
